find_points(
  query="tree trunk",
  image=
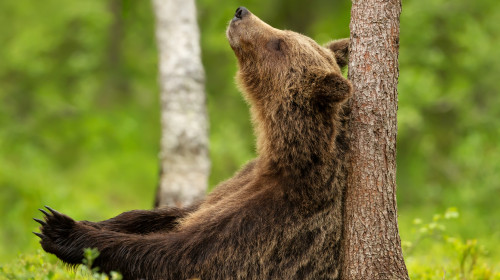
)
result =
(184, 161)
(372, 247)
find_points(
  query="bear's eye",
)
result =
(275, 45)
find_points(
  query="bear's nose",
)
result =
(241, 12)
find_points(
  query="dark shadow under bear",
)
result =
(281, 215)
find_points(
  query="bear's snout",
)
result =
(240, 13)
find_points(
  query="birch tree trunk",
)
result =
(184, 143)
(372, 247)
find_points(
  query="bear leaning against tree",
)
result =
(281, 215)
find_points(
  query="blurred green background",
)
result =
(79, 112)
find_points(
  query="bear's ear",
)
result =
(330, 87)
(341, 50)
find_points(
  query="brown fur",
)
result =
(341, 50)
(280, 217)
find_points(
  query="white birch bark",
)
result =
(184, 159)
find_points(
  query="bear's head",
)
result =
(294, 85)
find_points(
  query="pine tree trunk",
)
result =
(184, 143)
(372, 247)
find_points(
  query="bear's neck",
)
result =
(295, 143)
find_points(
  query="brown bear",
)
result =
(280, 217)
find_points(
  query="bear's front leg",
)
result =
(144, 221)
(61, 236)
(135, 256)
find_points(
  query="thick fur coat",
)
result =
(280, 217)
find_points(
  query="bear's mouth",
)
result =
(232, 37)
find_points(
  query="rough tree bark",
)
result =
(184, 161)
(372, 247)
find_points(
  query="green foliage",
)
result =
(79, 112)
(41, 266)
(434, 253)
(449, 106)
(90, 254)
(449, 115)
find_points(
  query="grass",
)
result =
(40, 265)
(433, 251)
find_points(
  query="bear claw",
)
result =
(54, 212)
(39, 235)
(40, 221)
(44, 212)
